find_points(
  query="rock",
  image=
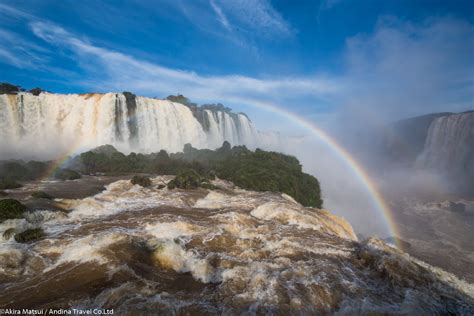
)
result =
(141, 180)
(457, 207)
(398, 242)
(11, 209)
(209, 186)
(8, 233)
(41, 195)
(29, 235)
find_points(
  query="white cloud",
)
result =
(21, 52)
(257, 16)
(220, 15)
(121, 71)
(405, 69)
(246, 20)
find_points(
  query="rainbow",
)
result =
(377, 199)
(60, 161)
(358, 171)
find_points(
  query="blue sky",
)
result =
(320, 59)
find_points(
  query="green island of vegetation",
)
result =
(257, 170)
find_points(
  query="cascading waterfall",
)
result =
(449, 147)
(49, 125)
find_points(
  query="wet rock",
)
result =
(29, 235)
(457, 207)
(7, 234)
(398, 242)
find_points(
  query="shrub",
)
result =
(270, 171)
(67, 174)
(10, 209)
(36, 91)
(187, 179)
(29, 235)
(41, 195)
(6, 88)
(141, 180)
(18, 170)
(9, 184)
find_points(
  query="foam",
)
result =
(123, 196)
(170, 254)
(171, 230)
(86, 249)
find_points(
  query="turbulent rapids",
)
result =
(223, 251)
(50, 125)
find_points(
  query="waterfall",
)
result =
(449, 147)
(50, 125)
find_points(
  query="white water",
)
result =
(449, 149)
(50, 125)
(227, 251)
(450, 142)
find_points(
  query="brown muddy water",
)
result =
(196, 252)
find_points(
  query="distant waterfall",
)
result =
(449, 147)
(49, 125)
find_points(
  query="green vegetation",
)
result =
(67, 174)
(187, 179)
(9, 184)
(41, 195)
(11, 209)
(7, 88)
(180, 99)
(141, 180)
(270, 171)
(29, 235)
(253, 170)
(259, 170)
(13, 171)
(199, 110)
(36, 91)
